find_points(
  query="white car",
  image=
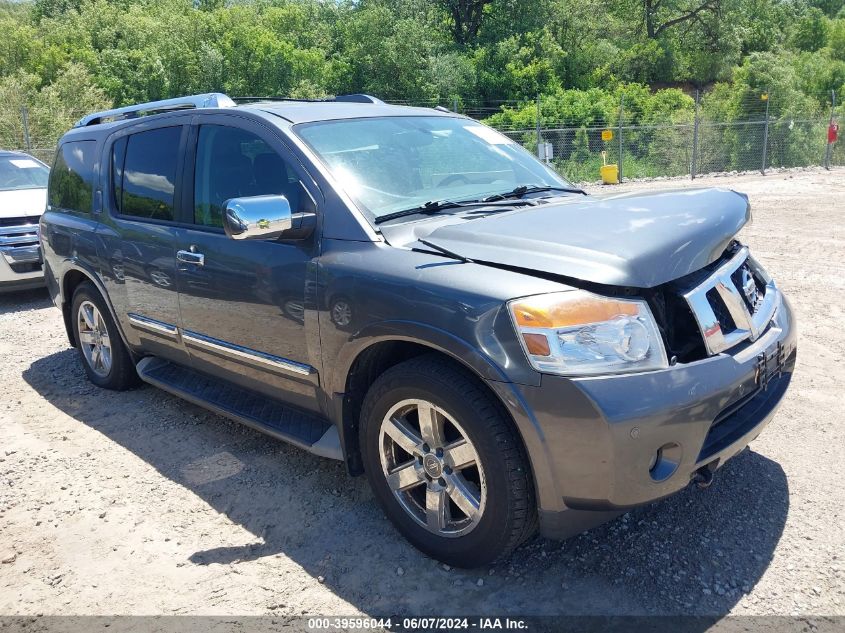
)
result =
(23, 198)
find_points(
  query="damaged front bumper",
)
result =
(613, 442)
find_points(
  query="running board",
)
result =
(257, 411)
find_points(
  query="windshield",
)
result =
(22, 172)
(389, 164)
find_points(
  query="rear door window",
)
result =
(144, 173)
(71, 186)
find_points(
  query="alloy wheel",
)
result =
(432, 468)
(94, 339)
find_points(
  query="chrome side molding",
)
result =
(224, 348)
(748, 326)
(201, 341)
(151, 325)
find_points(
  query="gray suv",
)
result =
(410, 292)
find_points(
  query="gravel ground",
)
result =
(139, 503)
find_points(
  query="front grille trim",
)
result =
(19, 244)
(719, 336)
(19, 221)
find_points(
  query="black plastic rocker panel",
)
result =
(239, 404)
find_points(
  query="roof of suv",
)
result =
(310, 111)
(291, 110)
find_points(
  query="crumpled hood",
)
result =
(19, 203)
(639, 240)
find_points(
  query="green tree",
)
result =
(829, 7)
(54, 8)
(465, 18)
(388, 55)
(764, 24)
(811, 30)
(837, 39)
(52, 109)
(519, 67)
(18, 45)
(659, 16)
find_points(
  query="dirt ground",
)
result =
(139, 503)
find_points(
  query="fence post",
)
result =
(455, 105)
(829, 146)
(539, 132)
(694, 164)
(27, 142)
(621, 116)
(765, 135)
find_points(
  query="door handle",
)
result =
(190, 257)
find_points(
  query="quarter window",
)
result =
(144, 172)
(234, 163)
(72, 178)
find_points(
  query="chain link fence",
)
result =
(36, 128)
(699, 144)
(704, 145)
(44, 154)
(650, 151)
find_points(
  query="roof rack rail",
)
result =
(208, 100)
(254, 99)
(353, 98)
(358, 98)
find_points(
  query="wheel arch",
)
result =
(409, 333)
(73, 276)
(360, 365)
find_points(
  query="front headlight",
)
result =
(578, 333)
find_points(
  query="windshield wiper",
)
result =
(446, 251)
(434, 206)
(517, 192)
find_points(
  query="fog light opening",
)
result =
(664, 463)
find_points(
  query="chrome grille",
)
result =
(734, 304)
(19, 241)
(18, 221)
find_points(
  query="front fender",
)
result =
(493, 374)
(412, 332)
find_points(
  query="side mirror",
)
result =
(257, 217)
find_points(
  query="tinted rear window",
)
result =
(148, 175)
(72, 177)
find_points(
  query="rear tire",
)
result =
(104, 356)
(446, 464)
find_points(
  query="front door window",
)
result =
(234, 163)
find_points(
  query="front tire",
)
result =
(104, 356)
(445, 463)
